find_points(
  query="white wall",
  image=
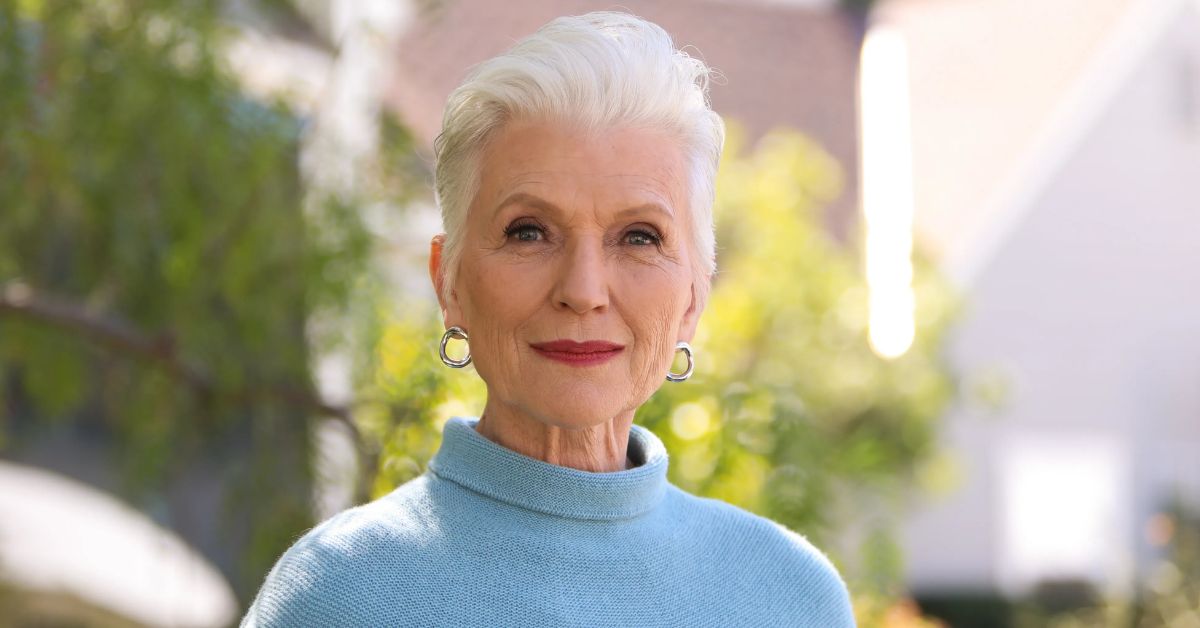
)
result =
(1092, 307)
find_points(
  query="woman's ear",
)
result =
(451, 312)
(691, 317)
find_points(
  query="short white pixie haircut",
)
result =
(596, 71)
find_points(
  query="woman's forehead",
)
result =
(553, 163)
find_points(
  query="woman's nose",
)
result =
(582, 280)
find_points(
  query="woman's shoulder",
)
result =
(739, 525)
(763, 546)
(325, 573)
(406, 511)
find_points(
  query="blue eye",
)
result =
(641, 238)
(524, 232)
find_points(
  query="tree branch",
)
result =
(122, 337)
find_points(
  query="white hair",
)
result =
(598, 71)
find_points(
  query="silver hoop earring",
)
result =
(454, 332)
(687, 352)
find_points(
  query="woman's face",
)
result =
(576, 238)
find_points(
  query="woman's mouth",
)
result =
(587, 353)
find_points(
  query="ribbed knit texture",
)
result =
(490, 537)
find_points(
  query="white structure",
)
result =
(63, 537)
(1057, 177)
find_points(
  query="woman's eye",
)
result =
(641, 238)
(524, 233)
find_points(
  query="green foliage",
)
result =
(415, 392)
(159, 258)
(789, 414)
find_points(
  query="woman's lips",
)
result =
(579, 353)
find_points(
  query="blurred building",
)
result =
(1057, 178)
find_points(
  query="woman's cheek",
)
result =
(506, 288)
(657, 327)
(663, 290)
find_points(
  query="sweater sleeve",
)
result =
(825, 594)
(303, 588)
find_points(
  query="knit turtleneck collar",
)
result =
(476, 462)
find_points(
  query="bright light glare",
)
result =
(887, 190)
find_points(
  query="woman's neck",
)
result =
(600, 448)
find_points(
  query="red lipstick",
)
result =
(579, 353)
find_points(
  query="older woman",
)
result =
(575, 176)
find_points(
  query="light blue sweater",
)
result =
(490, 537)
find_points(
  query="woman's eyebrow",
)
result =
(652, 207)
(530, 200)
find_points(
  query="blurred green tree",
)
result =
(161, 262)
(789, 414)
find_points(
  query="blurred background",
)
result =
(954, 337)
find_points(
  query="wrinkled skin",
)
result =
(582, 238)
